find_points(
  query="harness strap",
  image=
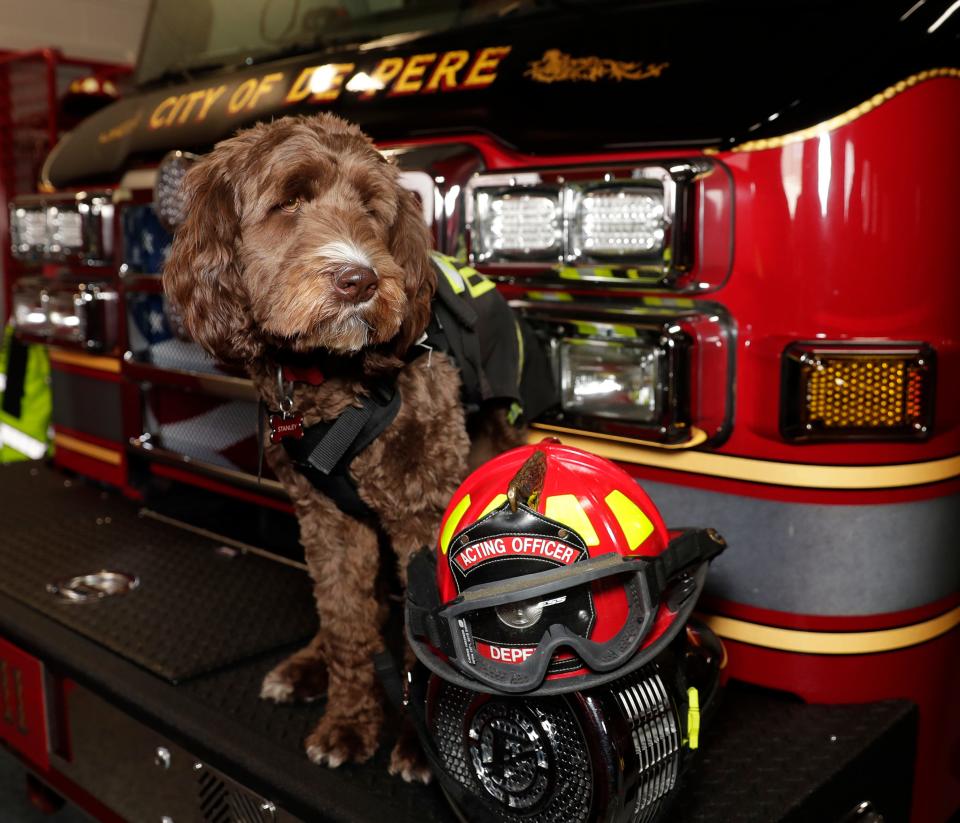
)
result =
(340, 437)
(327, 448)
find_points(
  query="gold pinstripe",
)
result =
(807, 642)
(843, 119)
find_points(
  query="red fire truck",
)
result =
(710, 215)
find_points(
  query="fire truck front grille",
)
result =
(220, 800)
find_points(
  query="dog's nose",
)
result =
(356, 284)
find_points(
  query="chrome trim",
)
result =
(423, 185)
(142, 447)
(216, 385)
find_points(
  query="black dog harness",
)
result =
(472, 324)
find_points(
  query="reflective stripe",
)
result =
(807, 642)
(497, 501)
(23, 443)
(453, 521)
(100, 453)
(476, 282)
(3, 381)
(452, 275)
(635, 524)
(693, 718)
(566, 509)
(521, 354)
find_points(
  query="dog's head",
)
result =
(299, 236)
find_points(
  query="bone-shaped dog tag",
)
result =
(285, 426)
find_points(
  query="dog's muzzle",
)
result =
(356, 284)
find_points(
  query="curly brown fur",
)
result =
(276, 216)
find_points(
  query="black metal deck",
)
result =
(186, 652)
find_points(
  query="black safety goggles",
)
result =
(458, 628)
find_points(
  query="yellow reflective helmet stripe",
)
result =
(497, 501)
(693, 718)
(635, 524)
(566, 509)
(453, 521)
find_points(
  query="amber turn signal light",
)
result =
(833, 391)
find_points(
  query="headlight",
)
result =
(523, 224)
(659, 223)
(59, 227)
(30, 306)
(619, 222)
(64, 229)
(652, 373)
(65, 313)
(609, 379)
(167, 191)
(28, 231)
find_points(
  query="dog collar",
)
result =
(303, 374)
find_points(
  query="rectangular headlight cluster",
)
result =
(659, 374)
(65, 313)
(857, 392)
(60, 227)
(571, 222)
(632, 225)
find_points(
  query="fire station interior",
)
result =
(564, 431)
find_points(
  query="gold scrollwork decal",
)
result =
(555, 66)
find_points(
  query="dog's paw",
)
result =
(408, 760)
(339, 740)
(296, 679)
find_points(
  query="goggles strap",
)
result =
(691, 547)
(423, 602)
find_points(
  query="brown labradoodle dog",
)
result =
(300, 246)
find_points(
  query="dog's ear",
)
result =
(202, 274)
(410, 247)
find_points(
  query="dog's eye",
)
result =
(291, 205)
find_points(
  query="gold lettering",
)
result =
(212, 96)
(120, 130)
(192, 98)
(327, 81)
(410, 81)
(445, 74)
(301, 88)
(175, 110)
(266, 84)
(159, 113)
(386, 70)
(484, 69)
(241, 95)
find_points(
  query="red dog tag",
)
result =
(283, 427)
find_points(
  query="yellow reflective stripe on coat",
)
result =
(476, 282)
(21, 442)
(454, 278)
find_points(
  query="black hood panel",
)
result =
(570, 77)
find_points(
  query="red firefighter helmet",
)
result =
(554, 572)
